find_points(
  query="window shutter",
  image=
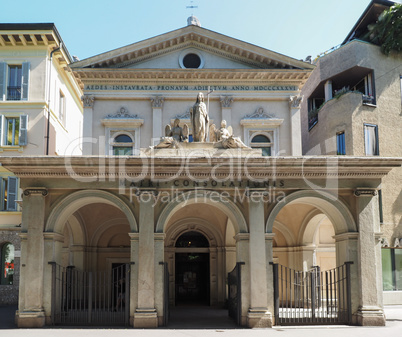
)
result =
(25, 80)
(12, 192)
(3, 80)
(23, 138)
(2, 193)
(1, 128)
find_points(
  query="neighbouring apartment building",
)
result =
(352, 107)
(40, 113)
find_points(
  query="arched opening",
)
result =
(7, 264)
(263, 142)
(91, 254)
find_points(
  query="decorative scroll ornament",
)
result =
(157, 101)
(365, 192)
(36, 191)
(122, 113)
(226, 101)
(384, 243)
(295, 101)
(259, 114)
(88, 101)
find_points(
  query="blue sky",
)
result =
(296, 28)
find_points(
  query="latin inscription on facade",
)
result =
(107, 87)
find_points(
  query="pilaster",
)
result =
(145, 315)
(31, 313)
(157, 106)
(370, 310)
(88, 102)
(226, 104)
(295, 125)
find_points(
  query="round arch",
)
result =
(74, 201)
(196, 225)
(333, 208)
(202, 196)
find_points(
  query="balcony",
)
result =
(14, 93)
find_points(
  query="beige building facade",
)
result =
(35, 84)
(352, 107)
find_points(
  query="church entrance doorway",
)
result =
(192, 270)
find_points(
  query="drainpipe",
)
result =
(48, 99)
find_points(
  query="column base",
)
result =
(370, 316)
(30, 319)
(145, 318)
(259, 318)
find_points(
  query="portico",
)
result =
(267, 210)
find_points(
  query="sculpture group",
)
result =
(222, 137)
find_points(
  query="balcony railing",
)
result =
(13, 93)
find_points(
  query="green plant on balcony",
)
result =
(340, 92)
(387, 30)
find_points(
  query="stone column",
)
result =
(88, 102)
(159, 274)
(328, 90)
(145, 315)
(30, 312)
(157, 105)
(258, 314)
(369, 254)
(242, 257)
(226, 103)
(269, 237)
(295, 125)
(134, 239)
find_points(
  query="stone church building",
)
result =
(133, 229)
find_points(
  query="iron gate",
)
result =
(313, 296)
(90, 298)
(234, 295)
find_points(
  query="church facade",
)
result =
(149, 219)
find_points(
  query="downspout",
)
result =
(48, 98)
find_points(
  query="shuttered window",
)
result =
(14, 130)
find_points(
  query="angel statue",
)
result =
(178, 133)
(199, 119)
(174, 135)
(223, 137)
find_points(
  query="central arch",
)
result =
(227, 206)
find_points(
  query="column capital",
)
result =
(226, 101)
(36, 191)
(88, 101)
(365, 192)
(157, 101)
(295, 101)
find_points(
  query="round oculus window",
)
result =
(191, 61)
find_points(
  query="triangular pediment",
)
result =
(158, 52)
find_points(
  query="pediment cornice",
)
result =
(95, 75)
(193, 36)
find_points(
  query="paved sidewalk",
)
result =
(208, 328)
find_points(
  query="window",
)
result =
(192, 61)
(371, 140)
(7, 264)
(122, 145)
(14, 80)
(262, 142)
(340, 143)
(8, 193)
(13, 130)
(366, 87)
(62, 108)
(391, 268)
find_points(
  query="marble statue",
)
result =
(223, 137)
(199, 119)
(178, 133)
(173, 136)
